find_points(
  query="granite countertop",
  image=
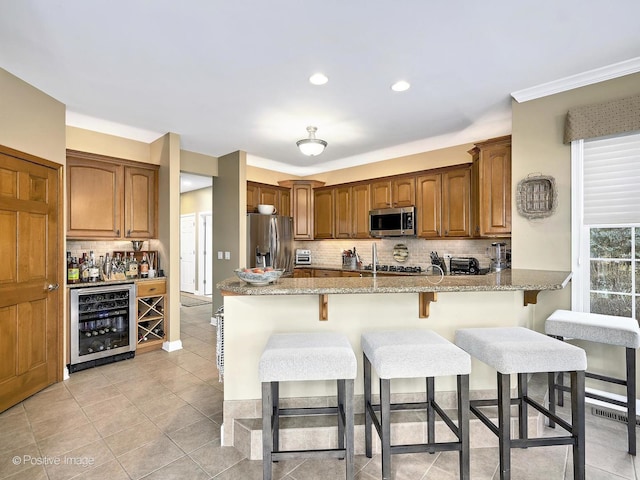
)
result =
(506, 280)
(112, 282)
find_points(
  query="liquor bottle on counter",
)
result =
(144, 267)
(73, 272)
(132, 269)
(94, 269)
(84, 268)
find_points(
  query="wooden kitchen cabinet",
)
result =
(264, 194)
(429, 205)
(151, 321)
(443, 204)
(343, 212)
(360, 200)
(140, 202)
(492, 187)
(110, 198)
(323, 215)
(301, 206)
(456, 203)
(394, 192)
(302, 272)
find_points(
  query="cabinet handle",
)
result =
(152, 289)
(118, 232)
(128, 233)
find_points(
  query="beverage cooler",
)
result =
(103, 325)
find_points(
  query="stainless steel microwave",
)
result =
(392, 222)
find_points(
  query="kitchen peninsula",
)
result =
(352, 305)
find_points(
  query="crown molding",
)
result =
(579, 80)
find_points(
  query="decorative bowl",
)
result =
(256, 276)
(266, 209)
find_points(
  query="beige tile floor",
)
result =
(158, 416)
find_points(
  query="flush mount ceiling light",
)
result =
(400, 86)
(318, 79)
(311, 146)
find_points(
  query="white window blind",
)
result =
(612, 180)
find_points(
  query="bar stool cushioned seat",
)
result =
(522, 351)
(415, 354)
(607, 330)
(302, 357)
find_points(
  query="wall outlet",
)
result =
(220, 255)
(227, 255)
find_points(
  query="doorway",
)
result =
(188, 253)
(30, 276)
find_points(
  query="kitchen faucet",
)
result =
(374, 258)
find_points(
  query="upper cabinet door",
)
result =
(403, 192)
(360, 214)
(302, 211)
(140, 203)
(342, 200)
(285, 202)
(253, 197)
(380, 194)
(323, 213)
(94, 198)
(456, 203)
(429, 206)
(492, 162)
(268, 196)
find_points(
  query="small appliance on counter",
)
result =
(464, 266)
(303, 256)
(497, 252)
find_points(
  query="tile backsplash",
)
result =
(329, 252)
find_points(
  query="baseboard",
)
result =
(172, 346)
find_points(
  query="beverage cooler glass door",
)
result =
(102, 324)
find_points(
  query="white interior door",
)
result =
(205, 253)
(188, 253)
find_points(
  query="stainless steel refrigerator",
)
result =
(270, 241)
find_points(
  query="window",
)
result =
(606, 225)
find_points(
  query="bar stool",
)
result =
(522, 351)
(415, 354)
(300, 357)
(608, 330)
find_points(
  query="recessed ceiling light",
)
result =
(318, 79)
(400, 86)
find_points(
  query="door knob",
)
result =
(53, 287)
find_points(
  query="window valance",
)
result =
(598, 120)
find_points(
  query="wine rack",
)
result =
(150, 300)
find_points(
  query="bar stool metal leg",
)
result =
(349, 427)
(463, 426)
(341, 408)
(631, 399)
(523, 428)
(577, 422)
(367, 405)
(385, 423)
(504, 425)
(431, 421)
(267, 430)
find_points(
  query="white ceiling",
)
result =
(233, 75)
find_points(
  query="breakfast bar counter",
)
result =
(353, 305)
(506, 280)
